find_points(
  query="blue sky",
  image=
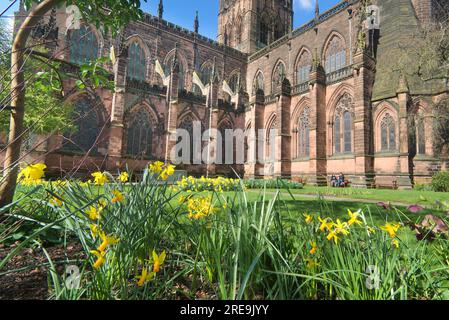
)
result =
(182, 12)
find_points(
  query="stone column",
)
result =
(317, 129)
(282, 156)
(172, 114)
(118, 108)
(255, 141)
(403, 174)
(364, 72)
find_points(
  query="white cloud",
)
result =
(305, 4)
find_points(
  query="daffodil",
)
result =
(308, 218)
(167, 172)
(314, 247)
(333, 235)
(353, 218)
(156, 167)
(341, 227)
(123, 177)
(158, 261)
(32, 174)
(101, 258)
(100, 178)
(145, 277)
(325, 224)
(93, 213)
(118, 196)
(57, 202)
(94, 230)
(106, 241)
(391, 229)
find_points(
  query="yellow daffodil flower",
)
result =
(106, 241)
(353, 218)
(333, 235)
(101, 258)
(118, 196)
(158, 261)
(100, 178)
(325, 224)
(145, 277)
(94, 230)
(156, 167)
(341, 227)
(93, 213)
(123, 177)
(314, 247)
(391, 229)
(32, 174)
(309, 218)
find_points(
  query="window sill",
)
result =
(342, 156)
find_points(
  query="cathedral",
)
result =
(328, 96)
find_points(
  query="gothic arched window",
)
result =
(206, 74)
(343, 125)
(421, 136)
(136, 62)
(387, 133)
(303, 67)
(278, 77)
(258, 83)
(270, 140)
(264, 31)
(83, 45)
(335, 57)
(85, 137)
(304, 134)
(139, 135)
(187, 125)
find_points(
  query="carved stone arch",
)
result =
(153, 116)
(303, 64)
(329, 38)
(335, 97)
(341, 113)
(278, 74)
(334, 53)
(137, 38)
(302, 103)
(183, 65)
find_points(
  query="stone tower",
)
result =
(249, 25)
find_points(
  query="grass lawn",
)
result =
(385, 195)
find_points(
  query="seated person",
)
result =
(341, 180)
(333, 181)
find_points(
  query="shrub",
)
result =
(440, 182)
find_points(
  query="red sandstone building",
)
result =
(329, 88)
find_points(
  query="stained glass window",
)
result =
(388, 133)
(258, 83)
(304, 133)
(83, 45)
(421, 139)
(278, 77)
(136, 62)
(343, 137)
(337, 138)
(85, 136)
(335, 55)
(303, 68)
(139, 136)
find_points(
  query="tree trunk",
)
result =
(10, 171)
